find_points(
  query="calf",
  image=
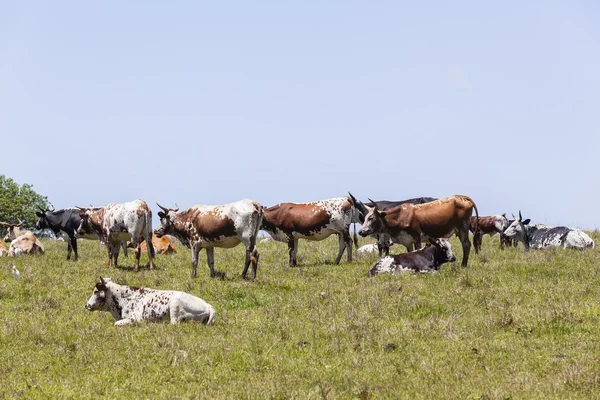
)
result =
(21, 241)
(129, 304)
(65, 222)
(495, 224)
(162, 245)
(437, 219)
(383, 240)
(115, 223)
(206, 227)
(543, 236)
(288, 222)
(428, 259)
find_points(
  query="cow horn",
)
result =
(81, 208)
(53, 209)
(165, 209)
(520, 217)
(176, 208)
(102, 280)
(374, 204)
(4, 223)
(20, 224)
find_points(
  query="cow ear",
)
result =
(382, 213)
(162, 214)
(526, 222)
(39, 214)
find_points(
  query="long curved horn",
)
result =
(81, 208)
(165, 209)
(20, 224)
(102, 280)
(374, 204)
(4, 223)
(520, 217)
(176, 208)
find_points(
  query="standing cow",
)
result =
(487, 226)
(437, 219)
(206, 227)
(21, 241)
(383, 240)
(288, 222)
(116, 223)
(543, 236)
(65, 222)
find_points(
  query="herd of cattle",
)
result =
(410, 223)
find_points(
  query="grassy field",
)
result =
(512, 325)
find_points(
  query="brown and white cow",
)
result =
(487, 226)
(162, 245)
(21, 241)
(288, 222)
(206, 227)
(114, 223)
(437, 219)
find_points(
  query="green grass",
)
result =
(512, 325)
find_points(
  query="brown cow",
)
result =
(438, 219)
(21, 240)
(487, 226)
(288, 222)
(162, 245)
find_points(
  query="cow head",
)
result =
(167, 217)
(98, 299)
(42, 223)
(374, 221)
(517, 230)
(13, 230)
(443, 250)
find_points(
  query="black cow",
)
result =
(65, 222)
(383, 241)
(428, 259)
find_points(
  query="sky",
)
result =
(194, 102)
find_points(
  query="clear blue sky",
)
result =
(209, 102)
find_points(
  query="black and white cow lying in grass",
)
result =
(130, 304)
(428, 259)
(544, 236)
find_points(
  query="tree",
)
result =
(19, 202)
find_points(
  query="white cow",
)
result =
(130, 304)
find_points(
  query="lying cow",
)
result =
(383, 240)
(289, 222)
(115, 223)
(65, 223)
(543, 236)
(162, 245)
(206, 227)
(129, 304)
(21, 241)
(437, 219)
(428, 259)
(495, 224)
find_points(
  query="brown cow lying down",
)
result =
(162, 245)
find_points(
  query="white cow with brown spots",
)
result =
(206, 227)
(129, 304)
(21, 241)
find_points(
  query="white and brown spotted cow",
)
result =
(489, 225)
(21, 241)
(115, 223)
(129, 304)
(288, 222)
(206, 227)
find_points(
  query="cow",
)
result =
(115, 223)
(162, 245)
(65, 222)
(21, 241)
(428, 259)
(383, 240)
(206, 227)
(437, 219)
(129, 304)
(289, 222)
(3, 251)
(487, 226)
(368, 248)
(543, 236)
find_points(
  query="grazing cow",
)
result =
(383, 240)
(487, 226)
(543, 236)
(428, 259)
(206, 227)
(65, 222)
(288, 222)
(129, 304)
(115, 223)
(21, 240)
(437, 219)
(162, 245)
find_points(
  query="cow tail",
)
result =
(211, 316)
(149, 245)
(476, 218)
(259, 214)
(352, 221)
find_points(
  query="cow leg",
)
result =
(210, 256)
(195, 250)
(74, 247)
(341, 248)
(69, 250)
(348, 241)
(251, 257)
(138, 253)
(115, 253)
(110, 255)
(124, 247)
(463, 236)
(293, 250)
(477, 241)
